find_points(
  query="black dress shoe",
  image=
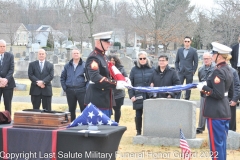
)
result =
(199, 132)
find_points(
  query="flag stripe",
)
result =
(211, 135)
(186, 152)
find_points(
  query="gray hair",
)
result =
(2, 41)
(148, 60)
(141, 53)
(42, 50)
(207, 54)
(76, 49)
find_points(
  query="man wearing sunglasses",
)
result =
(186, 64)
(99, 90)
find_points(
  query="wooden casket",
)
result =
(41, 119)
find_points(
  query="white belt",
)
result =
(91, 82)
(226, 94)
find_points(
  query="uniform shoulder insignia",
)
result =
(94, 65)
(217, 80)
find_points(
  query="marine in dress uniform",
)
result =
(216, 108)
(100, 87)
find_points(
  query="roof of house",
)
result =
(8, 29)
(32, 27)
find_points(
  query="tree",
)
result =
(227, 21)
(89, 7)
(163, 21)
(50, 41)
(117, 44)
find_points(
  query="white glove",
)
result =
(201, 84)
(128, 81)
(121, 85)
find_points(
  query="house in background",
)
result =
(14, 33)
(40, 34)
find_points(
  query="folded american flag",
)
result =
(91, 115)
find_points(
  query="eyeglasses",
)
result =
(162, 60)
(186, 41)
(142, 58)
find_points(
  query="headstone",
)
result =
(56, 52)
(55, 59)
(164, 118)
(20, 87)
(131, 51)
(18, 55)
(127, 63)
(63, 55)
(86, 52)
(32, 56)
(21, 69)
(68, 55)
(24, 53)
(49, 56)
(57, 73)
(233, 140)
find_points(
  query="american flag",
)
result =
(91, 115)
(165, 89)
(186, 152)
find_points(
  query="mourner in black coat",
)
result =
(233, 97)
(162, 76)
(235, 62)
(119, 94)
(140, 77)
(41, 72)
(7, 82)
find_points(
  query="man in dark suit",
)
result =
(235, 61)
(40, 72)
(7, 82)
(186, 64)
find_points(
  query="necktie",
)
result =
(0, 59)
(41, 66)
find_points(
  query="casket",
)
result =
(41, 119)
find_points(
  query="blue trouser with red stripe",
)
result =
(218, 130)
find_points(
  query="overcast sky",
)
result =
(202, 3)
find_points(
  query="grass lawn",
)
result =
(126, 145)
(127, 120)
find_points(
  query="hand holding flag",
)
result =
(122, 81)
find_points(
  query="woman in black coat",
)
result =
(119, 94)
(140, 77)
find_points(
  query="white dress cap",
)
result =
(103, 35)
(220, 48)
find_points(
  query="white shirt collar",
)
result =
(41, 61)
